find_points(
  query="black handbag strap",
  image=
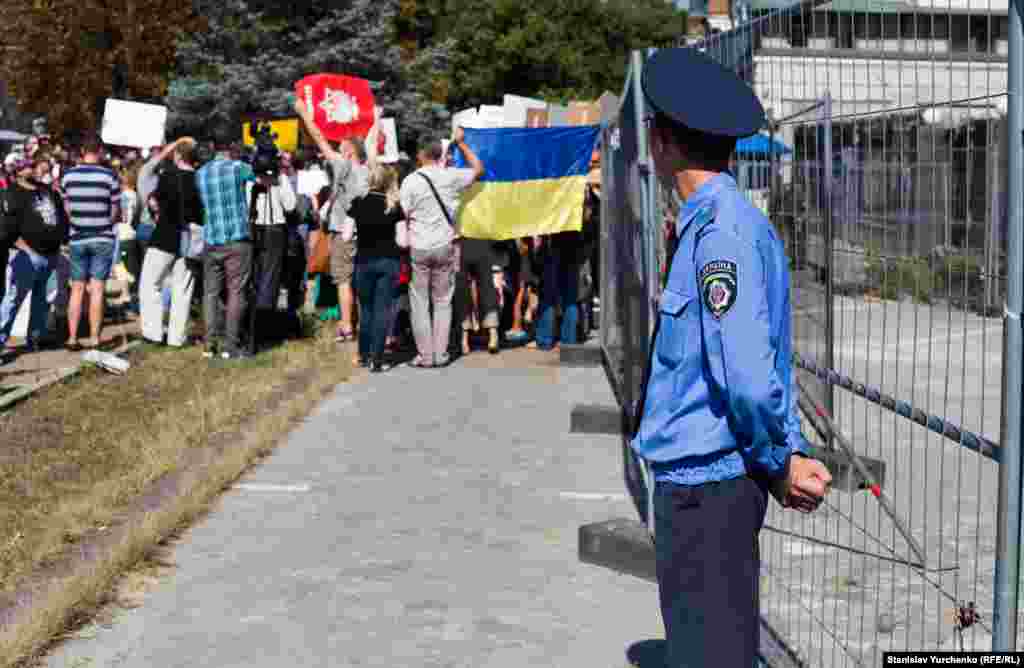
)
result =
(440, 203)
(181, 201)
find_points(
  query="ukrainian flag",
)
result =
(533, 184)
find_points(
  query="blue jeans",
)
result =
(376, 283)
(560, 286)
(92, 260)
(28, 272)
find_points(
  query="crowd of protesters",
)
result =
(264, 240)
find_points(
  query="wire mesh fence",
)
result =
(884, 169)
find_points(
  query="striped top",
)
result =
(92, 192)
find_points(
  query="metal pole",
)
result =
(655, 215)
(1007, 583)
(643, 343)
(826, 111)
(996, 214)
(648, 194)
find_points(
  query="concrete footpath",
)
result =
(416, 518)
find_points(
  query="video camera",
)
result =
(266, 160)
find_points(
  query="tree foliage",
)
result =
(571, 49)
(63, 57)
(253, 52)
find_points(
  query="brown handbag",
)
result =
(320, 258)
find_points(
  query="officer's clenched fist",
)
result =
(807, 483)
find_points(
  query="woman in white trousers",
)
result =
(178, 206)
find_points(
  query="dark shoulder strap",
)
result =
(440, 203)
(253, 194)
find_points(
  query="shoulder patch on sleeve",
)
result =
(717, 281)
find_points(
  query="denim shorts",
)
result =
(92, 259)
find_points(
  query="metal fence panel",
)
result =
(884, 169)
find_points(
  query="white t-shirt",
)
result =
(311, 181)
(428, 227)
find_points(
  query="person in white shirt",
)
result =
(271, 200)
(430, 199)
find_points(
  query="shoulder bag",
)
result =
(320, 257)
(440, 202)
(193, 244)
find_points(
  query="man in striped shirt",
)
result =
(92, 194)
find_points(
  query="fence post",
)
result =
(1007, 572)
(654, 222)
(830, 311)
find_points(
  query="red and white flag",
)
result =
(341, 106)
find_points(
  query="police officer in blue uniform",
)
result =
(718, 425)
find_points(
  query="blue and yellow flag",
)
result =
(533, 183)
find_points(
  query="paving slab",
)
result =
(416, 518)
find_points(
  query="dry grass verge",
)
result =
(97, 471)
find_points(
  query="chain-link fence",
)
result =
(885, 170)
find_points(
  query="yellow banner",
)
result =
(287, 132)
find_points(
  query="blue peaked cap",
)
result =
(697, 92)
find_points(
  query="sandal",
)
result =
(344, 337)
(420, 363)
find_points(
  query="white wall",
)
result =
(787, 84)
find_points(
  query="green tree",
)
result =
(252, 53)
(572, 49)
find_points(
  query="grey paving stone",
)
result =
(433, 533)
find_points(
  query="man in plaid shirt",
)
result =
(227, 265)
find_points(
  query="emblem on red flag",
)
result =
(341, 106)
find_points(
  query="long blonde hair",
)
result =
(384, 180)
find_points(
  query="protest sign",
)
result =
(133, 124)
(287, 131)
(584, 113)
(608, 104)
(517, 108)
(536, 118)
(558, 116)
(467, 118)
(490, 116)
(389, 132)
(341, 106)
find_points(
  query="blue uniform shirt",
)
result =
(720, 401)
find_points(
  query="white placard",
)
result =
(133, 124)
(516, 107)
(467, 118)
(390, 132)
(490, 116)
(558, 116)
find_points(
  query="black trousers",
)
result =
(270, 244)
(4, 256)
(293, 272)
(708, 563)
(460, 307)
(477, 260)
